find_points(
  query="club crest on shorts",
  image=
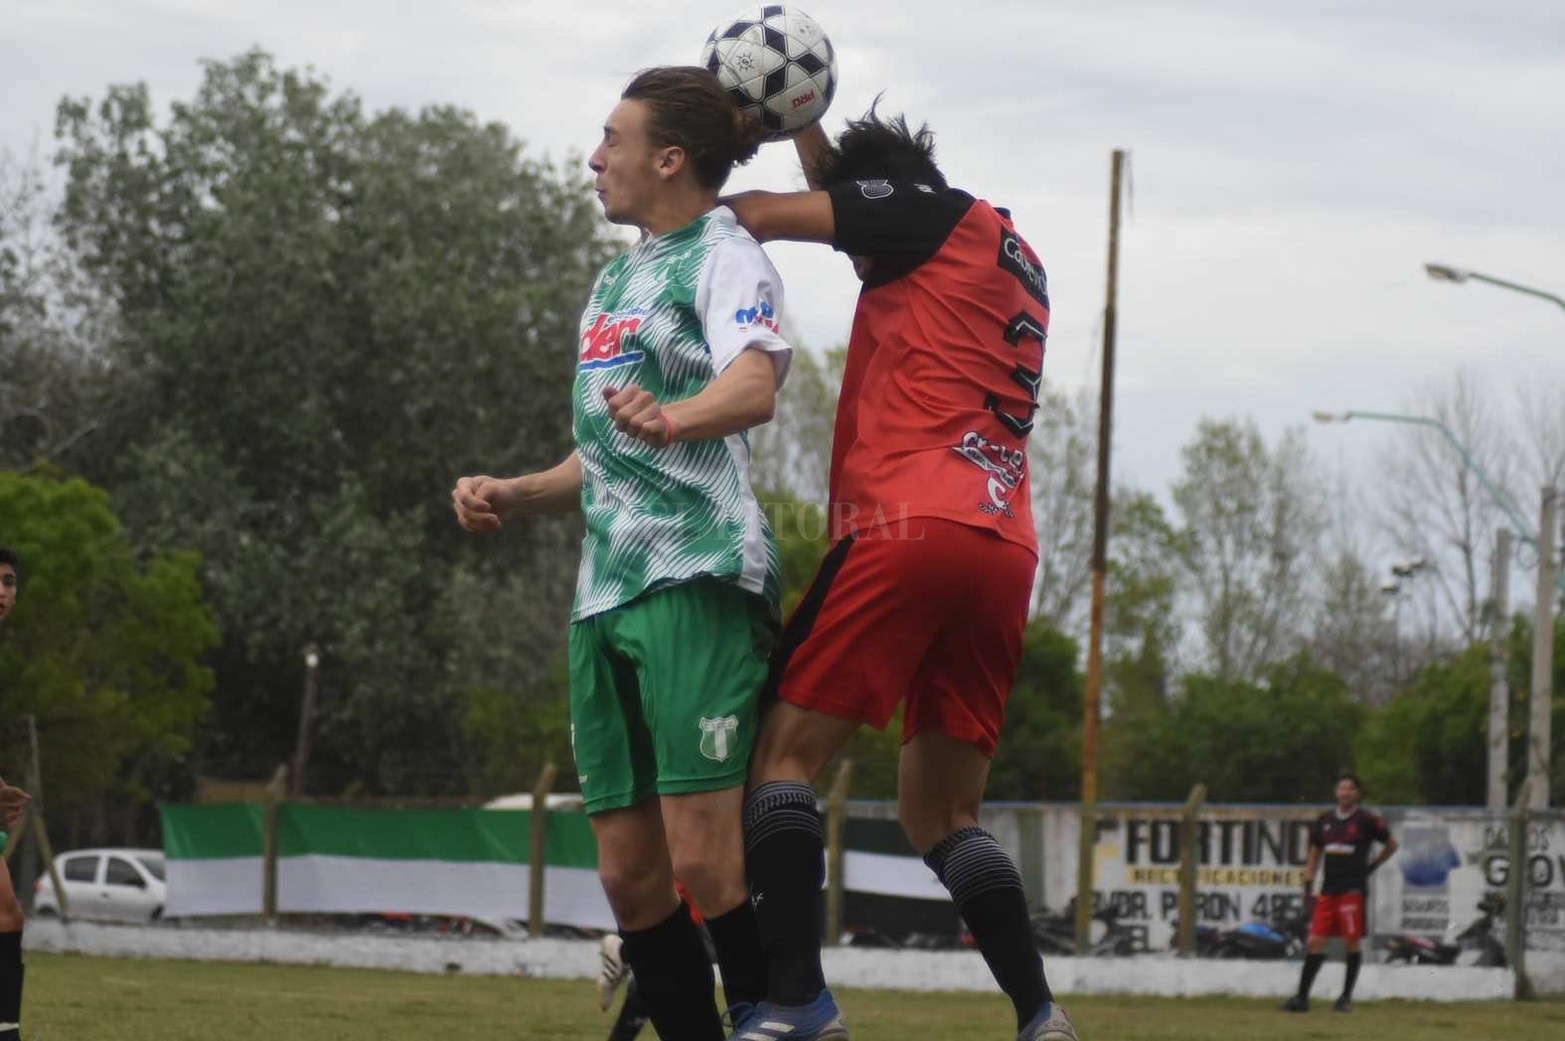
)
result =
(717, 737)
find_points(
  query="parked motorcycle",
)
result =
(1265, 941)
(1482, 942)
(1056, 933)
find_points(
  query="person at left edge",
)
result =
(12, 802)
(677, 593)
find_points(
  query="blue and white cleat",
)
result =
(1050, 1024)
(820, 1020)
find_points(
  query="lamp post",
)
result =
(1447, 273)
(301, 754)
(1402, 572)
(1498, 495)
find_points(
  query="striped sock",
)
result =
(785, 857)
(988, 893)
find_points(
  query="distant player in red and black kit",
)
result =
(1342, 839)
(923, 598)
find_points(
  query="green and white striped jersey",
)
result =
(670, 315)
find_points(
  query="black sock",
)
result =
(988, 892)
(1312, 964)
(740, 960)
(1354, 959)
(11, 972)
(632, 1014)
(786, 859)
(674, 978)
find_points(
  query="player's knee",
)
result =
(716, 884)
(11, 917)
(632, 892)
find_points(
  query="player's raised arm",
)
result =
(787, 216)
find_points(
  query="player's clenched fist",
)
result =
(480, 502)
(12, 802)
(637, 413)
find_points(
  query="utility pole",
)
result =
(1538, 735)
(1091, 712)
(1499, 683)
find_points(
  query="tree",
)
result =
(1428, 745)
(1249, 530)
(1436, 506)
(1279, 738)
(105, 648)
(1062, 454)
(324, 316)
(1040, 748)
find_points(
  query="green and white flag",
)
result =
(459, 862)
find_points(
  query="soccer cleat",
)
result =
(820, 1020)
(612, 970)
(1050, 1024)
(1296, 1004)
(1344, 1004)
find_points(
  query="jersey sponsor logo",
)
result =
(603, 345)
(1340, 847)
(1005, 466)
(876, 189)
(1014, 258)
(717, 737)
(761, 314)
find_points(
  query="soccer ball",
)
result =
(777, 64)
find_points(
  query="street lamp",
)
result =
(301, 754)
(1501, 499)
(1447, 273)
(1524, 531)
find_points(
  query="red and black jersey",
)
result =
(1344, 843)
(944, 362)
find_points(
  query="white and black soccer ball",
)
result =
(777, 63)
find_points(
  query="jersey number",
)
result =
(1025, 326)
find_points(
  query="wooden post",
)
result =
(1516, 894)
(836, 816)
(1188, 869)
(276, 791)
(1091, 710)
(35, 811)
(538, 857)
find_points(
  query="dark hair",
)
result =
(689, 109)
(9, 557)
(1349, 775)
(873, 148)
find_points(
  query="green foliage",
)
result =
(104, 649)
(1280, 738)
(1040, 749)
(1250, 519)
(325, 316)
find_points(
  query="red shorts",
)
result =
(929, 611)
(1338, 914)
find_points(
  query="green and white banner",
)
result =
(460, 862)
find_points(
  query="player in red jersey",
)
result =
(1341, 838)
(923, 598)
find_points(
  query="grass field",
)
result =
(74, 998)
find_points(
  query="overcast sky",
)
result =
(1294, 163)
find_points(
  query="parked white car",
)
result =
(118, 885)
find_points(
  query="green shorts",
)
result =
(664, 692)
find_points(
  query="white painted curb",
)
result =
(848, 967)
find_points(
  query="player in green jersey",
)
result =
(679, 355)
